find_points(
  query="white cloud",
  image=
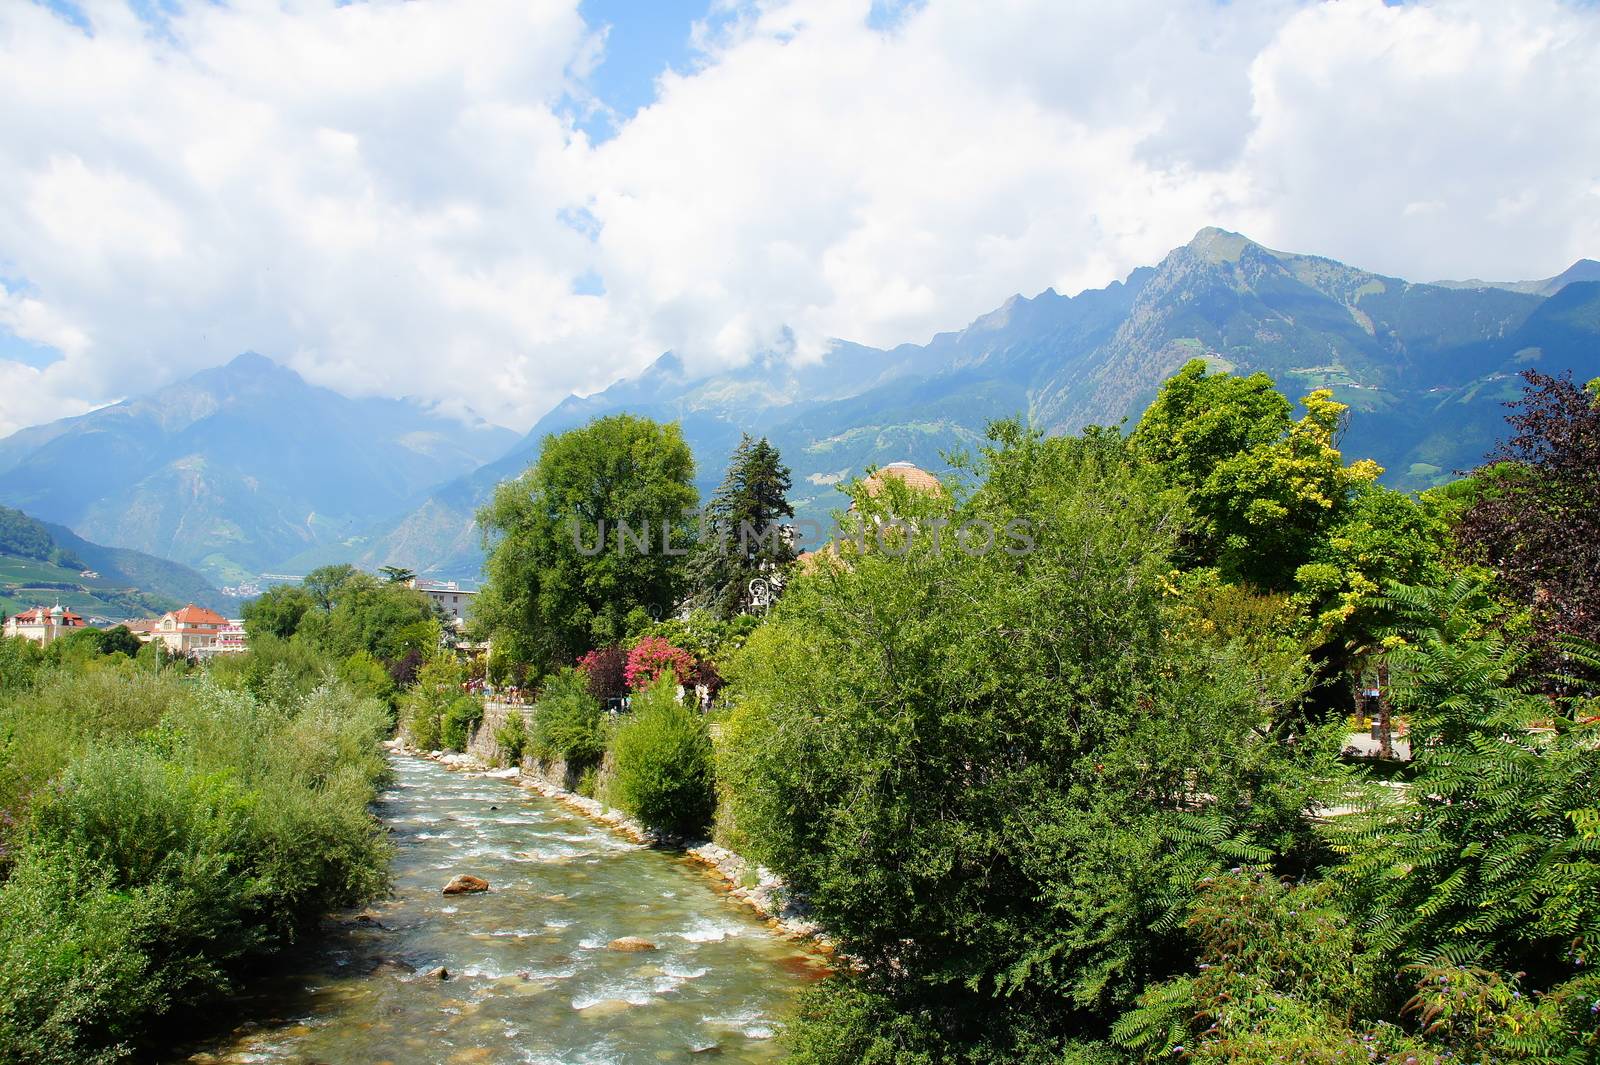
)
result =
(393, 198)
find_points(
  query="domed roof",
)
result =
(913, 475)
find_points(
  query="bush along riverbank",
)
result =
(648, 773)
(161, 833)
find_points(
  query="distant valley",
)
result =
(247, 468)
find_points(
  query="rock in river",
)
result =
(630, 944)
(465, 885)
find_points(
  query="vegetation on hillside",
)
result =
(42, 563)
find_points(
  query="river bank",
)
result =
(529, 971)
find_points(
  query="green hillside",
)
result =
(42, 564)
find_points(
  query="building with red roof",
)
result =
(190, 631)
(43, 625)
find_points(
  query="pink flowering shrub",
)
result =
(651, 657)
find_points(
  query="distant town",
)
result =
(198, 632)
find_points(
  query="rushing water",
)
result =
(530, 976)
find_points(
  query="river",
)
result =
(530, 976)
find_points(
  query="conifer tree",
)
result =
(740, 536)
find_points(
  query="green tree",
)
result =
(387, 620)
(339, 612)
(565, 564)
(1264, 489)
(741, 539)
(119, 639)
(323, 584)
(1200, 420)
(397, 574)
(997, 776)
(278, 611)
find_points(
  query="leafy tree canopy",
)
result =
(1264, 489)
(1537, 523)
(555, 588)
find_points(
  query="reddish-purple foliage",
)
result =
(605, 668)
(1538, 521)
(403, 670)
(705, 674)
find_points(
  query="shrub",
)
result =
(438, 685)
(568, 722)
(42, 730)
(663, 763)
(422, 725)
(653, 657)
(296, 663)
(20, 660)
(458, 721)
(367, 676)
(512, 737)
(75, 975)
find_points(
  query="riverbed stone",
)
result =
(631, 945)
(466, 884)
(607, 1008)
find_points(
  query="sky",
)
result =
(489, 204)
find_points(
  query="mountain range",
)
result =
(236, 469)
(1425, 367)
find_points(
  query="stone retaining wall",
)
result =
(482, 745)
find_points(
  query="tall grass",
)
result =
(170, 831)
(45, 725)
